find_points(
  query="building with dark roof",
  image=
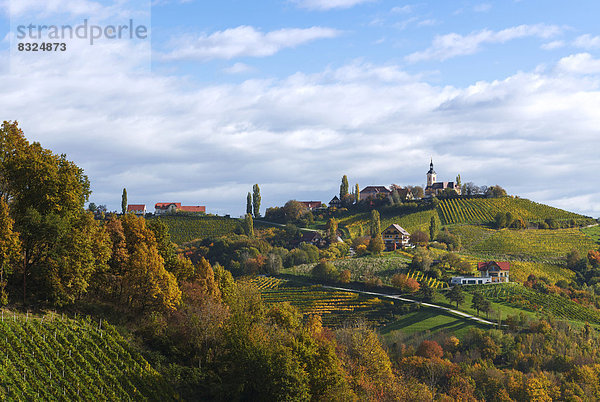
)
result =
(373, 192)
(435, 187)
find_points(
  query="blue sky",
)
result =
(293, 94)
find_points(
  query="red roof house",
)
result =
(498, 271)
(138, 209)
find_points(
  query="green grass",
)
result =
(520, 297)
(428, 319)
(64, 359)
(593, 232)
(183, 229)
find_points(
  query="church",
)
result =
(434, 187)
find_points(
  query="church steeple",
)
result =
(431, 175)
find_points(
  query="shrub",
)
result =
(324, 270)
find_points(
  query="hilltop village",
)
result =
(448, 292)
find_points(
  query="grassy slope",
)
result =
(593, 232)
(482, 210)
(187, 228)
(63, 359)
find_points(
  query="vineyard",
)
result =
(411, 222)
(527, 299)
(593, 232)
(187, 228)
(533, 244)
(335, 307)
(63, 359)
(483, 210)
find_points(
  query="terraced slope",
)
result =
(72, 360)
(483, 210)
(335, 307)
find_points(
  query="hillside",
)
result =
(64, 359)
(475, 211)
(483, 210)
(185, 228)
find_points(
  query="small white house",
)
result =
(489, 272)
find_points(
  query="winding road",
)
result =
(395, 297)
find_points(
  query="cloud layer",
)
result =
(244, 41)
(164, 138)
(452, 45)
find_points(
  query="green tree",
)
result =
(344, 187)
(249, 203)
(458, 183)
(500, 220)
(256, 200)
(426, 292)
(478, 301)
(433, 228)
(325, 270)
(124, 202)
(375, 224)
(456, 295)
(10, 249)
(166, 248)
(249, 225)
(356, 193)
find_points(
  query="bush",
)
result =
(324, 270)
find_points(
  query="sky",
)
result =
(211, 97)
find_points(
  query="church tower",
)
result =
(431, 175)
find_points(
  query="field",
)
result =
(368, 268)
(63, 359)
(335, 307)
(593, 232)
(187, 228)
(483, 210)
(519, 296)
(532, 244)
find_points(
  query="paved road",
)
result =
(395, 297)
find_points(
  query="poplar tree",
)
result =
(433, 229)
(124, 201)
(249, 203)
(357, 193)
(256, 200)
(249, 225)
(344, 188)
(375, 224)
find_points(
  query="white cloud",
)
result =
(587, 42)
(482, 8)
(556, 44)
(244, 41)
(451, 45)
(329, 4)
(166, 138)
(238, 68)
(406, 9)
(581, 63)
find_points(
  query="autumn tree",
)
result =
(147, 284)
(430, 349)
(10, 248)
(375, 224)
(356, 193)
(419, 238)
(249, 225)
(332, 228)
(256, 200)
(124, 201)
(405, 283)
